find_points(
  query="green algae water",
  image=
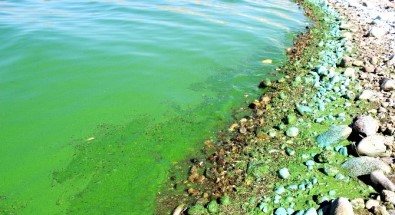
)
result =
(98, 99)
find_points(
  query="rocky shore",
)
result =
(320, 139)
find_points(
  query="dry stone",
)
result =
(379, 179)
(364, 165)
(372, 146)
(366, 125)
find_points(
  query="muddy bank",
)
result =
(319, 140)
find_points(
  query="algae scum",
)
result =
(98, 99)
(285, 156)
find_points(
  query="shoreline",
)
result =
(285, 157)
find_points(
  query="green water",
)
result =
(99, 98)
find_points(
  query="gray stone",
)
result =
(283, 173)
(366, 94)
(366, 125)
(379, 179)
(387, 84)
(372, 146)
(358, 166)
(292, 132)
(334, 135)
(341, 206)
(388, 196)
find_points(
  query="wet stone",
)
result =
(334, 135)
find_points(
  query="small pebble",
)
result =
(283, 173)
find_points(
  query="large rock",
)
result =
(372, 146)
(358, 166)
(387, 84)
(334, 135)
(366, 125)
(341, 206)
(379, 179)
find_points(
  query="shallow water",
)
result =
(99, 98)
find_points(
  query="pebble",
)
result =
(281, 211)
(366, 94)
(369, 68)
(377, 32)
(358, 166)
(283, 173)
(347, 35)
(311, 211)
(380, 210)
(371, 203)
(372, 146)
(346, 62)
(292, 132)
(341, 206)
(387, 84)
(366, 125)
(358, 203)
(303, 109)
(379, 179)
(279, 190)
(330, 170)
(388, 196)
(350, 72)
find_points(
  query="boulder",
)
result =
(372, 146)
(358, 166)
(366, 125)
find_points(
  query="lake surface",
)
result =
(98, 99)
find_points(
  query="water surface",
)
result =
(99, 98)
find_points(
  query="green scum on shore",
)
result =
(270, 162)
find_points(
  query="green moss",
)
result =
(197, 210)
(213, 207)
